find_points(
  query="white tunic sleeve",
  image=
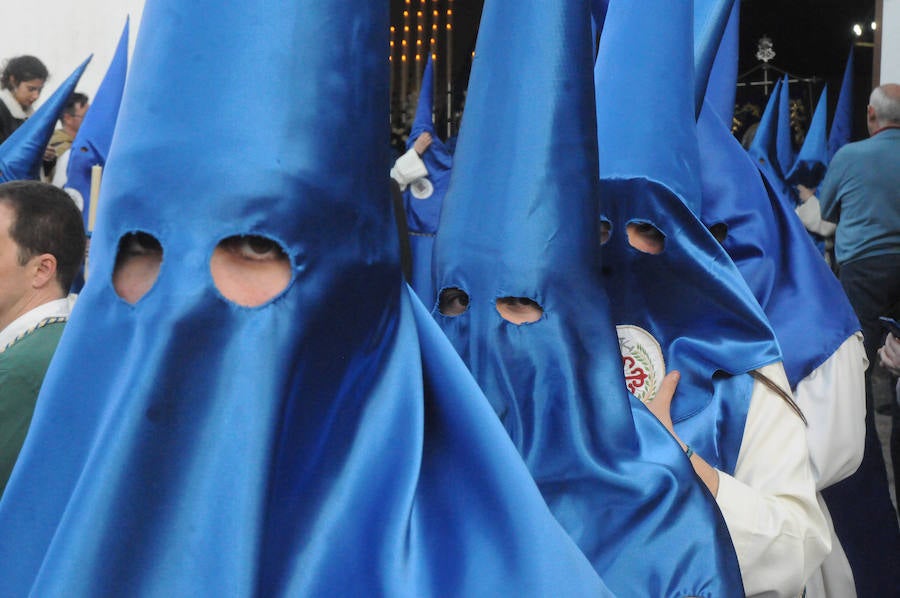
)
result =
(811, 218)
(408, 168)
(833, 400)
(779, 532)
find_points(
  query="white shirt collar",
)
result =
(58, 308)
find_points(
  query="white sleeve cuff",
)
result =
(408, 168)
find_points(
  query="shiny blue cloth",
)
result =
(690, 297)
(722, 85)
(803, 300)
(764, 150)
(326, 443)
(22, 153)
(784, 147)
(423, 201)
(521, 220)
(812, 159)
(91, 144)
(598, 16)
(711, 20)
(842, 122)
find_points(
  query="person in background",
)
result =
(21, 84)
(61, 142)
(41, 246)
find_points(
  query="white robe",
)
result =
(770, 504)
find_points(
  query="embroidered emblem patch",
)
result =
(421, 189)
(642, 359)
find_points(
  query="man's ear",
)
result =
(44, 270)
(870, 113)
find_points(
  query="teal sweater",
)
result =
(861, 193)
(22, 369)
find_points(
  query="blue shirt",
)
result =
(861, 192)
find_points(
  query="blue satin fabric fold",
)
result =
(767, 149)
(721, 87)
(803, 300)
(712, 19)
(842, 121)
(812, 159)
(326, 443)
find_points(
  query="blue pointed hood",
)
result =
(812, 159)
(423, 199)
(711, 19)
(22, 152)
(784, 149)
(842, 123)
(327, 442)
(764, 149)
(722, 85)
(773, 252)
(423, 120)
(639, 123)
(521, 221)
(689, 292)
(91, 144)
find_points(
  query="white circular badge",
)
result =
(421, 189)
(642, 359)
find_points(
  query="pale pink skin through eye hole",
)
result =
(248, 270)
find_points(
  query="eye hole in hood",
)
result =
(645, 237)
(519, 310)
(453, 301)
(250, 270)
(138, 260)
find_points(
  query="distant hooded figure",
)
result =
(424, 197)
(520, 298)
(678, 297)
(249, 401)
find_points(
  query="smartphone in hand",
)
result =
(891, 325)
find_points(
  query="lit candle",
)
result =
(96, 174)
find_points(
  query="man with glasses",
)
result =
(56, 158)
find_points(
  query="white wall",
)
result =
(63, 33)
(890, 42)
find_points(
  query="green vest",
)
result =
(22, 369)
